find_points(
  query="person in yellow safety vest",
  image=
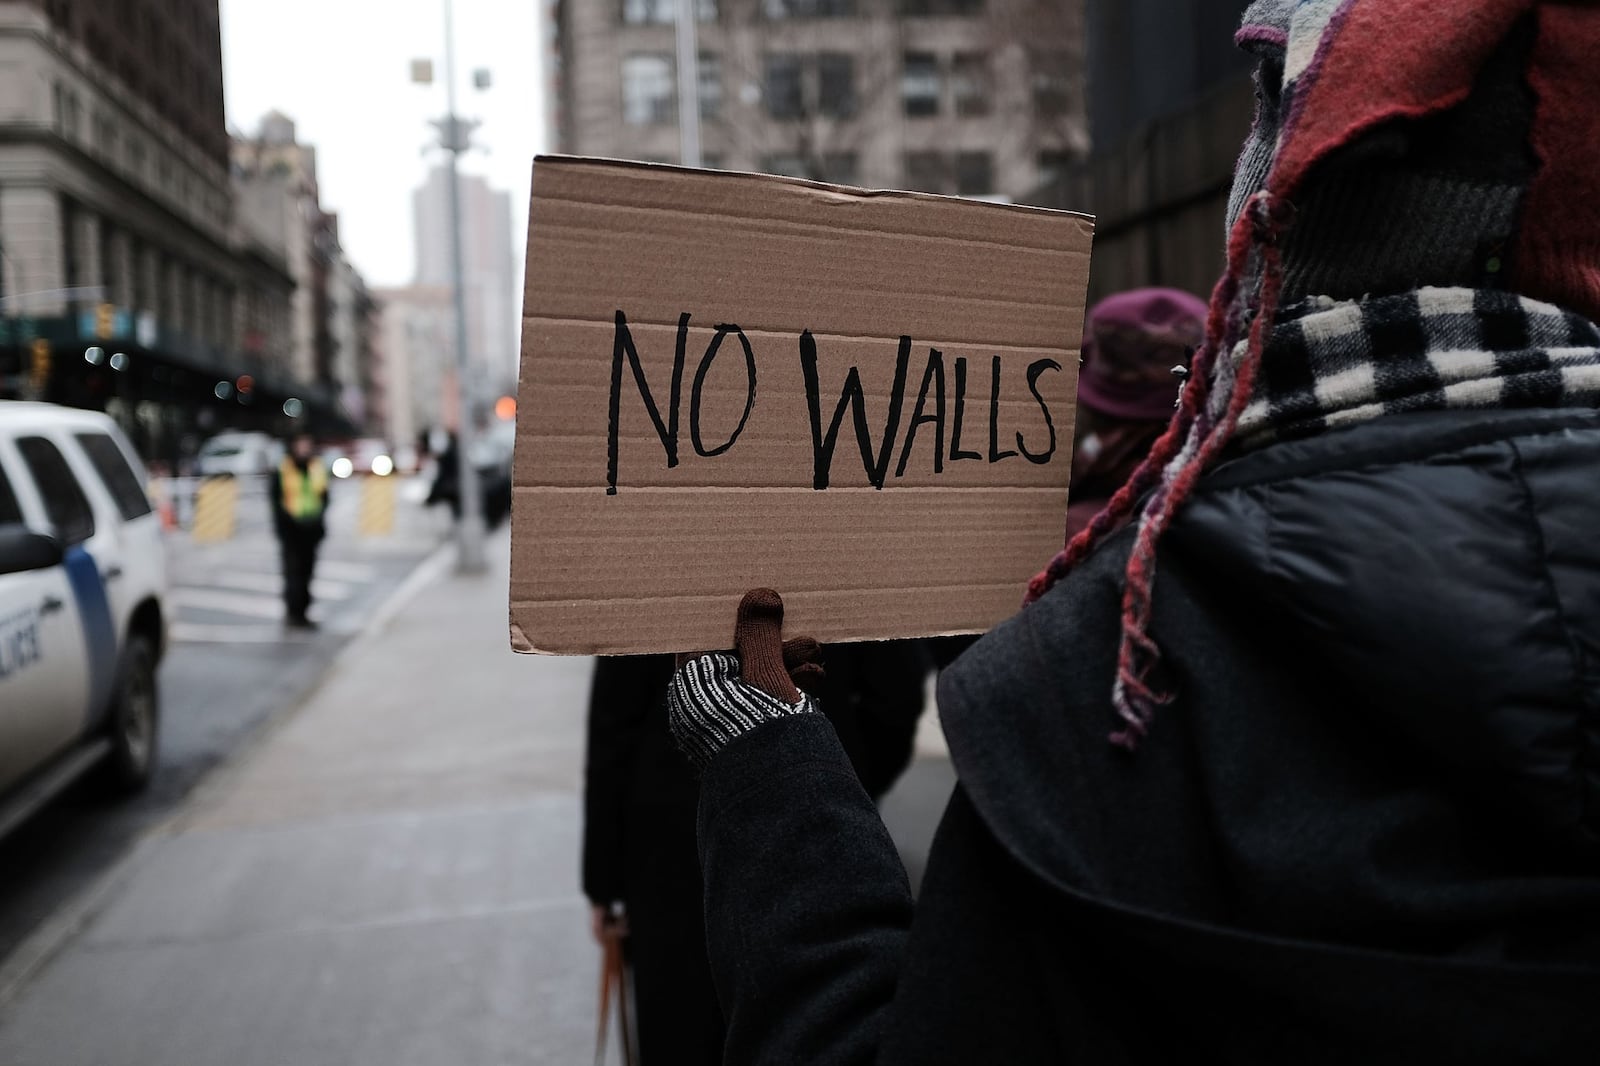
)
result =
(299, 501)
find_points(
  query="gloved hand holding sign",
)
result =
(717, 697)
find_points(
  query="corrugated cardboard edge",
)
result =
(846, 191)
(520, 642)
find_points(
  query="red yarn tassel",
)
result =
(1196, 391)
(1134, 696)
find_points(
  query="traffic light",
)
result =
(105, 321)
(41, 364)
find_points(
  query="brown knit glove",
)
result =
(717, 697)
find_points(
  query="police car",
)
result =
(82, 618)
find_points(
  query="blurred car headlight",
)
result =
(382, 465)
(343, 467)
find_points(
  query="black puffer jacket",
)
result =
(1368, 829)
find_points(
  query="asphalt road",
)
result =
(230, 669)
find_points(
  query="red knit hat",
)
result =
(1351, 70)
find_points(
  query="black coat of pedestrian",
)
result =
(639, 849)
(639, 820)
(1367, 830)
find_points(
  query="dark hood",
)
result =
(1442, 574)
(1386, 646)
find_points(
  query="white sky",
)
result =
(342, 70)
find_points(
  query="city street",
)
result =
(387, 875)
(231, 667)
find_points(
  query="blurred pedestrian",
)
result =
(299, 504)
(640, 867)
(1136, 345)
(639, 861)
(1300, 766)
(494, 480)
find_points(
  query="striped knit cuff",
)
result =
(708, 706)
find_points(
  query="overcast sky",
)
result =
(341, 70)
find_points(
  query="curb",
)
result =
(54, 934)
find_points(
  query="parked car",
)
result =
(238, 454)
(82, 607)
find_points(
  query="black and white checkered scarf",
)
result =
(1331, 364)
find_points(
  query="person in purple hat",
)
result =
(1132, 343)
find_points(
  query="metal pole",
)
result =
(688, 84)
(469, 530)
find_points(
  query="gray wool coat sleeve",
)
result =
(808, 907)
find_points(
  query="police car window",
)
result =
(118, 476)
(64, 502)
(10, 512)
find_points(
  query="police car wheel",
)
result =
(134, 718)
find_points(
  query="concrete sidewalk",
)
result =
(389, 878)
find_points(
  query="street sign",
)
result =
(106, 322)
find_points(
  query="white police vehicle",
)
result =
(82, 617)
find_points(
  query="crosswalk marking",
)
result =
(340, 570)
(247, 581)
(225, 602)
(231, 592)
(193, 633)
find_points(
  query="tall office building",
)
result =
(488, 265)
(118, 230)
(1170, 102)
(969, 97)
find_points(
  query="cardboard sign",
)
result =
(861, 399)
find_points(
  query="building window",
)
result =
(1053, 165)
(647, 95)
(941, 7)
(788, 165)
(798, 86)
(836, 84)
(70, 265)
(711, 160)
(784, 85)
(69, 115)
(925, 171)
(664, 12)
(919, 84)
(1052, 83)
(710, 85)
(969, 82)
(808, 9)
(841, 168)
(105, 135)
(974, 174)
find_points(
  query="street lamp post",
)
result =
(688, 84)
(455, 136)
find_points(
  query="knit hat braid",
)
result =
(1218, 391)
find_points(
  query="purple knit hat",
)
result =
(1131, 342)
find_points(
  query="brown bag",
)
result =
(615, 997)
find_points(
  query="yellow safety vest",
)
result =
(302, 493)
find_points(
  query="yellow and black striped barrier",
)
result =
(377, 506)
(216, 506)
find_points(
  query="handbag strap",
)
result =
(613, 998)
